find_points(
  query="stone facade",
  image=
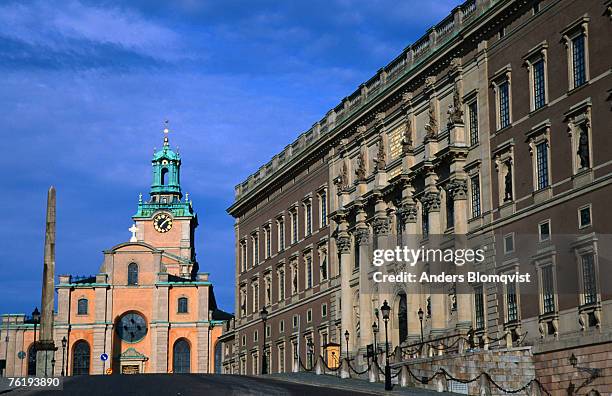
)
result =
(491, 129)
(149, 308)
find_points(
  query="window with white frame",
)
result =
(544, 231)
(255, 361)
(281, 326)
(479, 308)
(308, 217)
(512, 312)
(584, 216)
(589, 278)
(255, 245)
(509, 243)
(323, 208)
(268, 241)
(323, 310)
(539, 138)
(294, 225)
(536, 63)
(501, 84)
(308, 265)
(575, 38)
(243, 255)
(547, 289)
(255, 336)
(309, 316)
(473, 122)
(281, 284)
(475, 195)
(280, 224)
(542, 165)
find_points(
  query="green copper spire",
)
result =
(166, 173)
(166, 187)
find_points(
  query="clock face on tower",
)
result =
(162, 222)
(132, 327)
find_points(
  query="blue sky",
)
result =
(85, 87)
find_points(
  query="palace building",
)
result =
(148, 309)
(493, 128)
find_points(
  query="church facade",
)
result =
(147, 310)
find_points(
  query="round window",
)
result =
(132, 327)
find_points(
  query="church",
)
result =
(147, 310)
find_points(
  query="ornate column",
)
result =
(410, 239)
(431, 204)
(362, 238)
(343, 246)
(458, 188)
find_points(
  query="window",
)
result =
(479, 307)
(309, 316)
(243, 369)
(182, 305)
(511, 302)
(255, 336)
(255, 360)
(475, 184)
(589, 281)
(164, 176)
(281, 326)
(255, 288)
(281, 284)
(81, 357)
(295, 321)
(255, 240)
(473, 122)
(243, 255)
(308, 272)
(323, 310)
(323, 208)
(504, 105)
(132, 274)
(243, 340)
(509, 243)
(548, 296)
(308, 215)
(542, 164)
(294, 226)
(544, 231)
(578, 61)
(539, 86)
(268, 241)
(281, 234)
(82, 306)
(268, 331)
(584, 216)
(181, 357)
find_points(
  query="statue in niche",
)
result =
(243, 302)
(295, 282)
(583, 147)
(341, 181)
(380, 160)
(455, 112)
(508, 182)
(407, 139)
(268, 291)
(431, 128)
(323, 256)
(360, 172)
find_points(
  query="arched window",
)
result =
(164, 176)
(132, 274)
(82, 306)
(402, 317)
(182, 305)
(181, 357)
(80, 358)
(32, 360)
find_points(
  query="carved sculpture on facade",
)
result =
(341, 181)
(583, 146)
(381, 156)
(343, 243)
(431, 128)
(508, 181)
(455, 110)
(360, 172)
(407, 143)
(458, 188)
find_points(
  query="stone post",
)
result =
(362, 237)
(343, 245)
(46, 347)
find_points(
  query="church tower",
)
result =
(167, 221)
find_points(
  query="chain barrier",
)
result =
(359, 372)
(304, 367)
(325, 366)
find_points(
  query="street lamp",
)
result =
(36, 320)
(53, 366)
(593, 372)
(64, 343)
(346, 337)
(264, 317)
(375, 331)
(421, 320)
(386, 309)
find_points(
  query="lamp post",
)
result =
(386, 309)
(421, 320)
(375, 332)
(36, 320)
(53, 366)
(264, 318)
(64, 343)
(593, 372)
(346, 337)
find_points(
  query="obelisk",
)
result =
(45, 347)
